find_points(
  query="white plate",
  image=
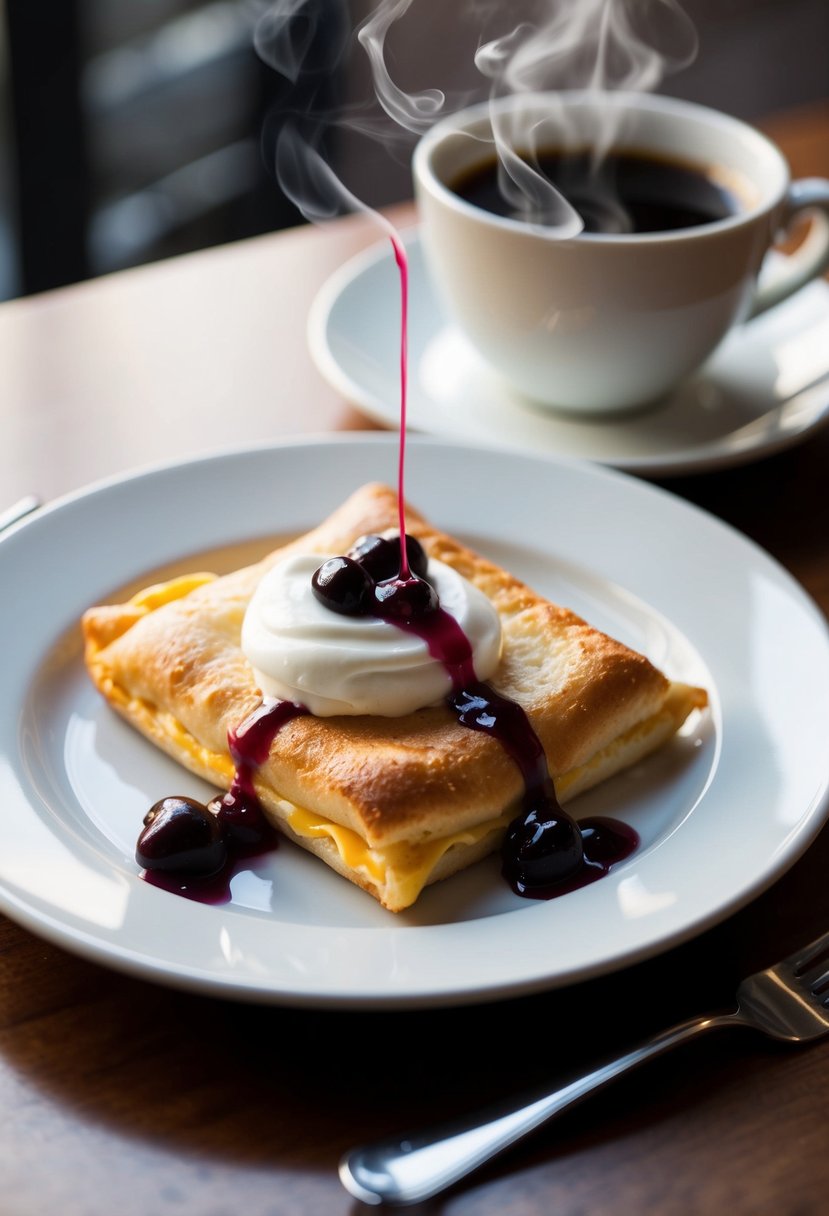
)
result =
(721, 813)
(765, 389)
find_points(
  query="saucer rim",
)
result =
(712, 456)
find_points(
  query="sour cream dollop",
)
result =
(334, 664)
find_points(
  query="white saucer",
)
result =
(765, 389)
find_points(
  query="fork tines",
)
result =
(812, 966)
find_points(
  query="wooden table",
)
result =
(123, 1096)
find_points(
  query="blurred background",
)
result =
(134, 130)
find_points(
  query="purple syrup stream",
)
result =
(245, 826)
(403, 268)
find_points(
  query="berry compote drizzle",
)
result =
(195, 849)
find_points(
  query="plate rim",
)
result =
(232, 985)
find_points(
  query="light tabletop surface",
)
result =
(121, 1095)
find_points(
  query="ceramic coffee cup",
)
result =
(605, 322)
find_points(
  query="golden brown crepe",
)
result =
(390, 803)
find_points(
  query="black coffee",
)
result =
(626, 191)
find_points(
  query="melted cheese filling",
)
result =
(403, 868)
(174, 589)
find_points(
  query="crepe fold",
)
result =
(392, 804)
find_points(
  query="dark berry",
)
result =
(342, 585)
(181, 835)
(407, 599)
(380, 556)
(542, 847)
(241, 820)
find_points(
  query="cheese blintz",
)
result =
(393, 801)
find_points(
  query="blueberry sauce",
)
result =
(545, 852)
(175, 845)
(194, 850)
(604, 843)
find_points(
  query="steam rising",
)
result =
(601, 45)
(414, 111)
(535, 46)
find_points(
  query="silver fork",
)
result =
(788, 1002)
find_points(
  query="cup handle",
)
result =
(811, 258)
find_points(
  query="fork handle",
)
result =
(411, 1168)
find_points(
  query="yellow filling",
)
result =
(405, 868)
(164, 593)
